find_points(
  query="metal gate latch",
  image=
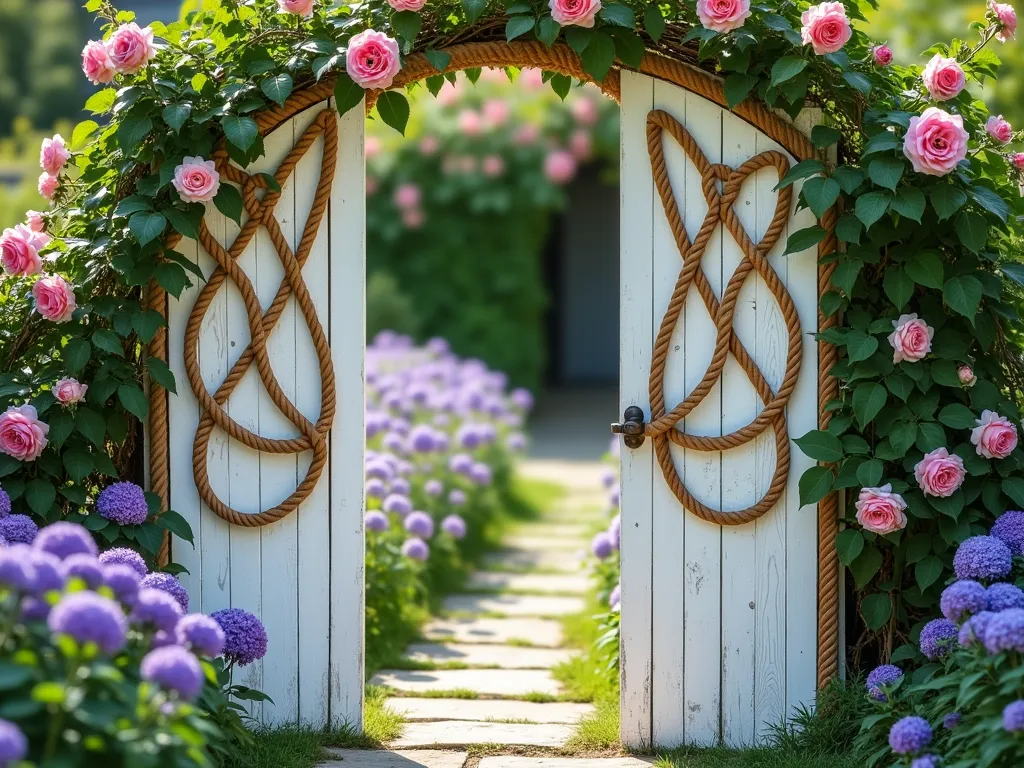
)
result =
(632, 427)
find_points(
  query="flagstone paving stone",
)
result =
(489, 655)
(553, 560)
(544, 633)
(577, 531)
(514, 605)
(413, 758)
(576, 583)
(566, 762)
(486, 682)
(488, 710)
(463, 733)
(540, 542)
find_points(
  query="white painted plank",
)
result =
(636, 343)
(347, 333)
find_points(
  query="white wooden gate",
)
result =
(719, 624)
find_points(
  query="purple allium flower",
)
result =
(416, 549)
(393, 442)
(468, 436)
(245, 637)
(1013, 716)
(608, 478)
(601, 545)
(162, 639)
(63, 539)
(174, 669)
(962, 599)
(397, 504)
(1001, 596)
(982, 557)
(421, 439)
(522, 399)
(615, 496)
(420, 524)
(400, 485)
(481, 474)
(375, 520)
(886, 674)
(125, 556)
(1005, 631)
(457, 497)
(973, 630)
(938, 638)
(168, 583)
(375, 488)
(433, 487)
(34, 609)
(16, 569)
(200, 633)
(909, 735)
(5, 503)
(157, 609)
(124, 503)
(615, 531)
(13, 744)
(454, 526)
(18, 529)
(615, 597)
(90, 618)
(516, 442)
(379, 469)
(437, 347)
(925, 761)
(1009, 528)
(123, 581)
(49, 572)
(952, 720)
(460, 463)
(84, 567)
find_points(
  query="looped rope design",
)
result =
(313, 437)
(663, 426)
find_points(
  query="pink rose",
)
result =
(131, 48)
(584, 110)
(826, 28)
(298, 7)
(69, 391)
(496, 112)
(580, 13)
(407, 196)
(995, 437)
(940, 474)
(879, 510)
(19, 250)
(412, 218)
(999, 129)
(493, 166)
(55, 300)
(373, 59)
(580, 145)
(883, 55)
(966, 376)
(1004, 15)
(532, 79)
(935, 142)
(470, 123)
(944, 78)
(428, 145)
(22, 434)
(34, 220)
(48, 184)
(196, 180)
(407, 5)
(526, 134)
(1018, 161)
(559, 166)
(96, 63)
(912, 339)
(54, 154)
(371, 147)
(723, 15)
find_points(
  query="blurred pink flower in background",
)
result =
(532, 79)
(493, 75)
(526, 134)
(371, 184)
(467, 164)
(493, 166)
(584, 110)
(372, 147)
(470, 122)
(448, 94)
(413, 218)
(496, 112)
(428, 145)
(1006, 16)
(580, 145)
(560, 166)
(1018, 161)
(407, 196)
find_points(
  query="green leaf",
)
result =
(393, 108)
(898, 286)
(860, 82)
(78, 463)
(150, 536)
(171, 277)
(175, 115)
(133, 204)
(925, 268)
(13, 675)
(599, 56)
(860, 345)
(787, 68)
(868, 399)
(91, 425)
(815, 484)
(801, 171)
(957, 416)
(407, 24)
(40, 495)
(881, 142)
(347, 94)
(849, 228)
(1014, 488)
(146, 226)
(869, 473)
(182, 223)
(902, 436)
(972, 229)
(821, 446)
(561, 84)
(946, 200)
(876, 609)
(849, 178)
(963, 295)
(804, 239)
(229, 202)
(821, 194)
(240, 131)
(517, 26)
(618, 14)
(872, 206)
(107, 341)
(579, 38)
(277, 88)
(738, 85)
(161, 374)
(82, 133)
(176, 524)
(886, 171)
(134, 400)
(909, 202)
(654, 22)
(133, 131)
(849, 544)
(824, 136)
(991, 202)
(474, 9)
(930, 436)
(927, 571)
(547, 30)
(76, 354)
(439, 60)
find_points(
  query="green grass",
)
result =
(767, 757)
(450, 693)
(531, 497)
(599, 730)
(519, 642)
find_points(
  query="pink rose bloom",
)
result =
(999, 129)
(428, 145)
(584, 110)
(412, 218)
(496, 112)
(966, 376)
(935, 142)
(48, 184)
(131, 48)
(493, 166)
(580, 13)
(944, 78)
(879, 510)
(826, 28)
(407, 196)
(883, 55)
(55, 300)
(34, 220)
(407, 5)
(373, 59)
(559, 166)
(939, 473)
(1018, 161)
(995, 437)
(526, 134)
(371, 148)
(1004, 14)
(580, 145)
(54, 154)
(532, 78)
(19, 250)
(196, 180)
(470, 123)
(22, 434)
(912, 339)
(448, 94)
(723, 15)
(96, 63)
(69, 391)
(298, 7)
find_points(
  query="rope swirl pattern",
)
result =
(663, 426)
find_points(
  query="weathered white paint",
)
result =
(303, 575)
(719, 624)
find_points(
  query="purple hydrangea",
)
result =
(1001, 596)
(123, 581)
(457, 497)
(460, 463)
(375, 520)
(18, 529)
(952, 720)
(376, 488)
(926, 761)
(393, 442)
(909, 735)
(415, 549)
(168, 583)
(454, 526)
(124, 503)
(1013, 716)
(16, 569)
(962, 599)
(422, 439)
(125, 556)
(379, 469)
(1005, 631)
(5, 503)
(886, 674)
(516, 442)
(615, 597)
(201, 633)
(397, 505)
(433, 487)
(157, 609)
(174, 669)
(601, 545)
(400, 485)
(34, 609)
(982, 557)
(64, 539)
(1009, 528)
(522, 399)
(469, 436)
(420, 524)
(615, 531)
(49, 572)
(608, 478)
(90, 618)
(615, 496)
(973, 630)
(162, 639)
(938, 638)
(84, 567)
(245, 637)
(13, 744)
(481, 474)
